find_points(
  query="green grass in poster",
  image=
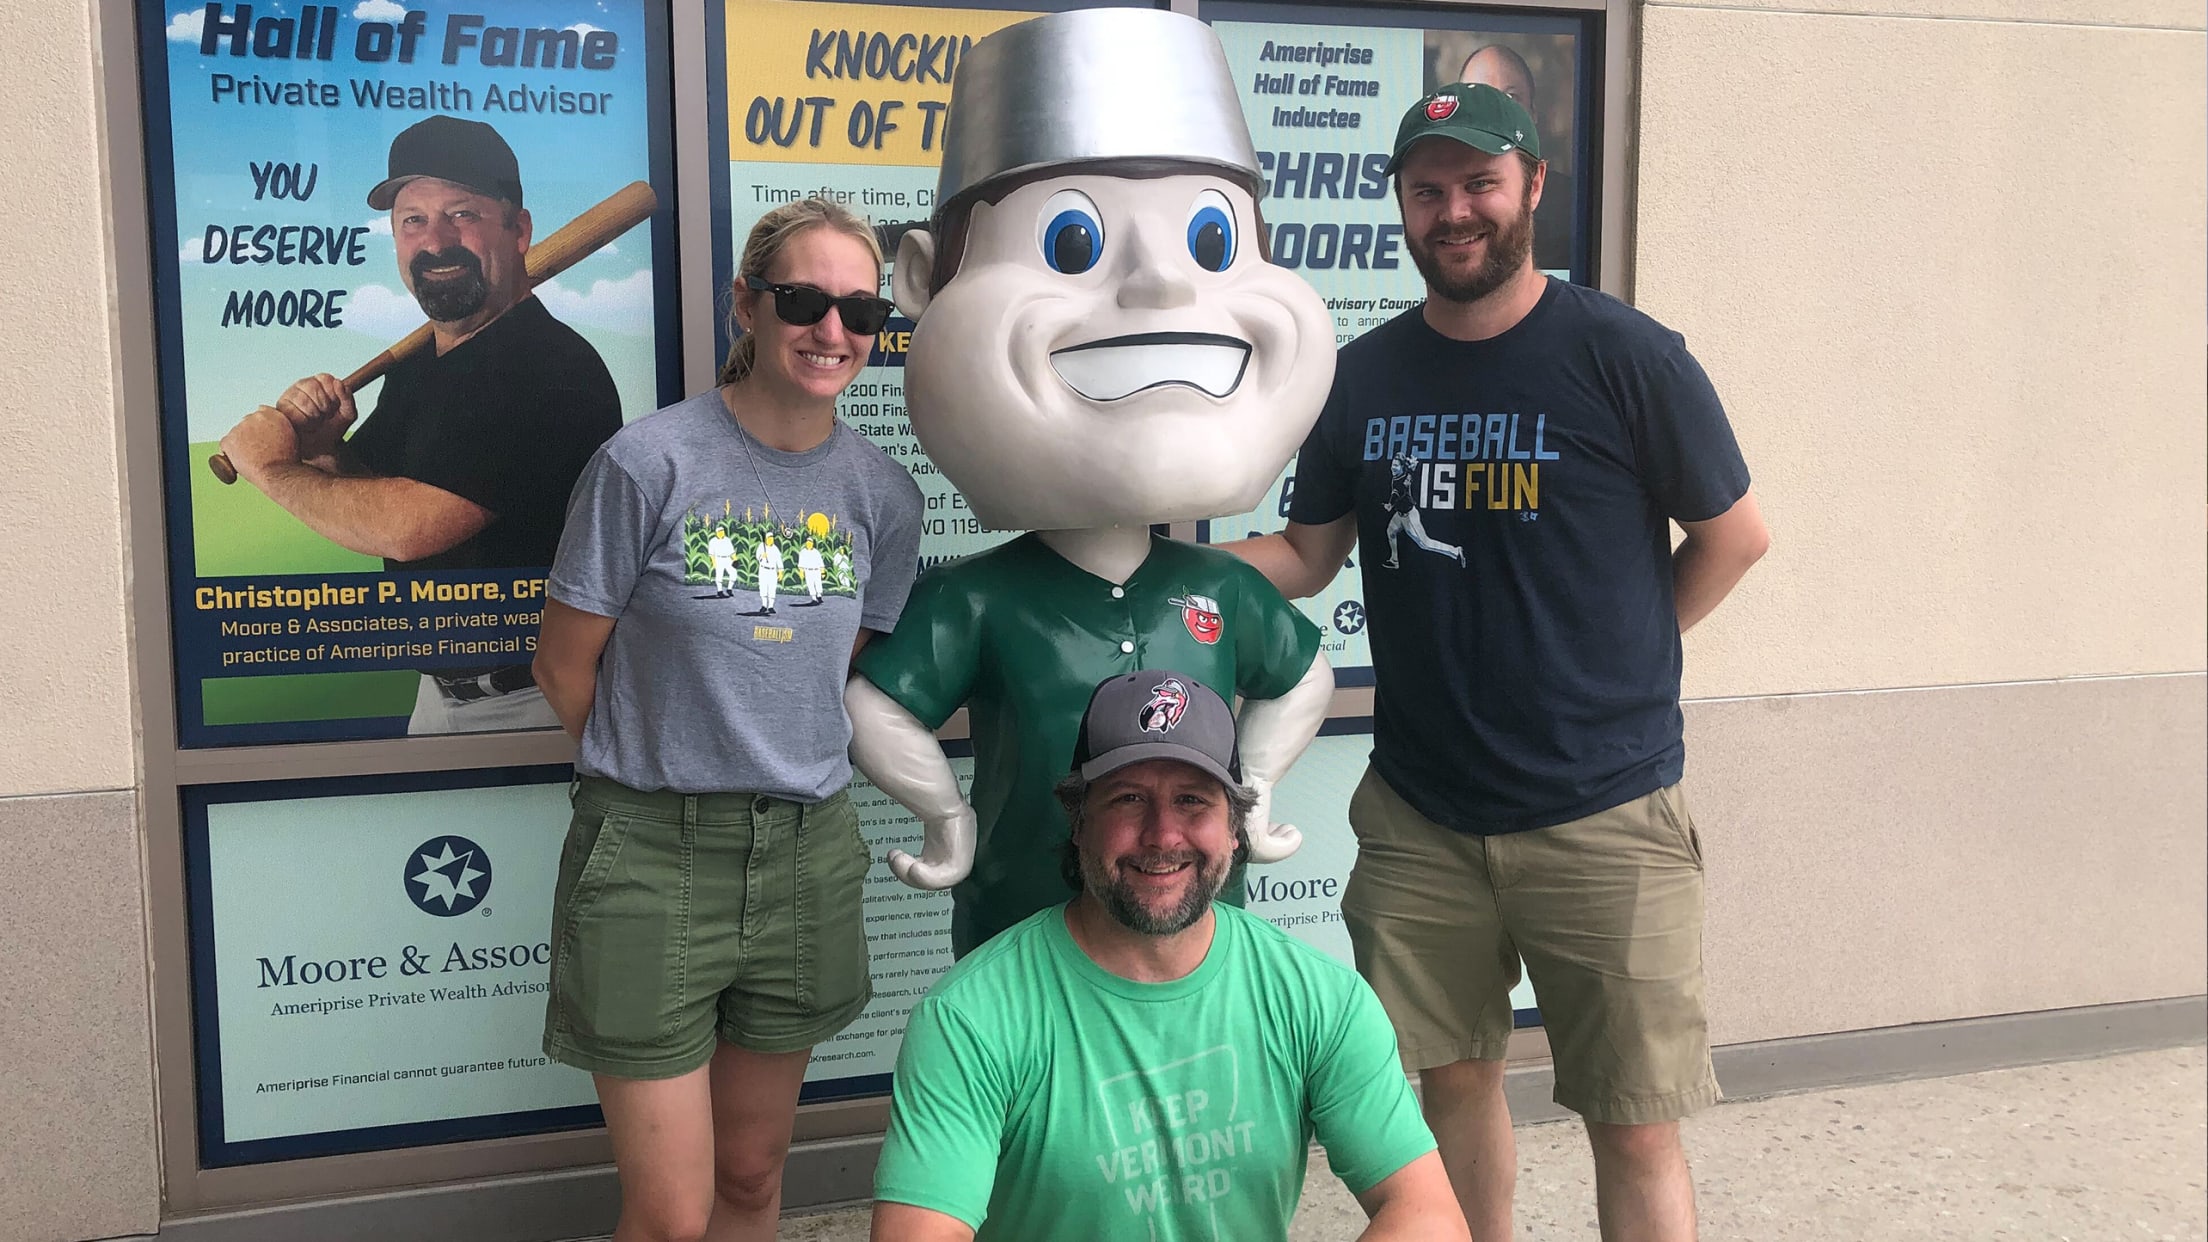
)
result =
(237, 532)
(307, 696)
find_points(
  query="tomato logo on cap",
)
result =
(1440, 107)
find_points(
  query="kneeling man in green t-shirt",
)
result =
(1139, 1063)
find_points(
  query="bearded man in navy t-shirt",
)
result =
(1509, 457)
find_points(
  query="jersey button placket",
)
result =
(1127, 621)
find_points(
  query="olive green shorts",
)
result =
(1606, 912)
(682, 919)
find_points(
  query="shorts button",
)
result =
(759, 805)
(1126, 648)
(1119, 592)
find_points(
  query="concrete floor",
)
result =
(2108, 1151)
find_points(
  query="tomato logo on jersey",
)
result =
(1200, 613)
(1441, 107)
(1168, 701)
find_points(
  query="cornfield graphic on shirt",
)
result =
(748, 530)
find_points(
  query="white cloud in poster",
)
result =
(186, 27)
(378, 11)
(379, 226)
(585, 29)
(193, 249)
(624, 305)
(379, 311)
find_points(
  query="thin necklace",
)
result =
(743, 437)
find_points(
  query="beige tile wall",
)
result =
(1948, 275)
(64, 650)
(77, 1153)
(1876, 859)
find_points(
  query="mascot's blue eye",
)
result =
(1072, 235)
(1071, 241)
(1211, 232)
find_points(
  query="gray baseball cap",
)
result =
(1156, 714)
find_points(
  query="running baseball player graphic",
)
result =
(770, 572)
(811, 564)
(722, 550)
(1403, 513)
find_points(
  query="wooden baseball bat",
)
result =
(619, 212)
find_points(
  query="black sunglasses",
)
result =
(802, 306)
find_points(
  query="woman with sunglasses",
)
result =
(706, 928)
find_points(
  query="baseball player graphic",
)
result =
(841, 563)
(770, 572)
(810, 563)
(722, 550)
(1403, 513)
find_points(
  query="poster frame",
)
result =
(156, 118)
(219, 1152)
(415, 1185)
(1590, 100)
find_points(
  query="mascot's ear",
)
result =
(915, 270)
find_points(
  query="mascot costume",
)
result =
(1100, 345)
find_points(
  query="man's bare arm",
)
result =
(569, 642)
(397, 519)
(902, 1222)
(1714, 557)
(1414, 1204)
(1301, 560)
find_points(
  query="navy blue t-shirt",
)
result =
(1513, 499)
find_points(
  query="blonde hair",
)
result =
(773, 234)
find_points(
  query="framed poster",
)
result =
(846, 101)
(413, 264)
(1323, 87)
(370, 959)
(369, 962)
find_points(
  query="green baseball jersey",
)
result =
(1021, 636)
(1040, 1097)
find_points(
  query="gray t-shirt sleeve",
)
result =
(896, 554)
(611, 523)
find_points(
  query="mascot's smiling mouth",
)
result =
(1121, 366)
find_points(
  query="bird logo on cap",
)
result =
(1168, 701)
(1441, 107)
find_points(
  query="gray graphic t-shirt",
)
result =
(736, 596)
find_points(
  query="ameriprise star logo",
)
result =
(1349, 616)
(446, 876)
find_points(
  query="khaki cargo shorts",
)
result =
(1606, 912)
(682, 920)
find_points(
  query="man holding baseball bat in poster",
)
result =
(477, 437)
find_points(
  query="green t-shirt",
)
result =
(1021, 636)
(1041, 1097)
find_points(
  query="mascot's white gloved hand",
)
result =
(1269, 842)
(948, 855)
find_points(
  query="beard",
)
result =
(1118, 898)
(1508, 247)
(450, 298)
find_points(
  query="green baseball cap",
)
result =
(1480, 117)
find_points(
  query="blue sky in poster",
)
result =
(591, 141)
